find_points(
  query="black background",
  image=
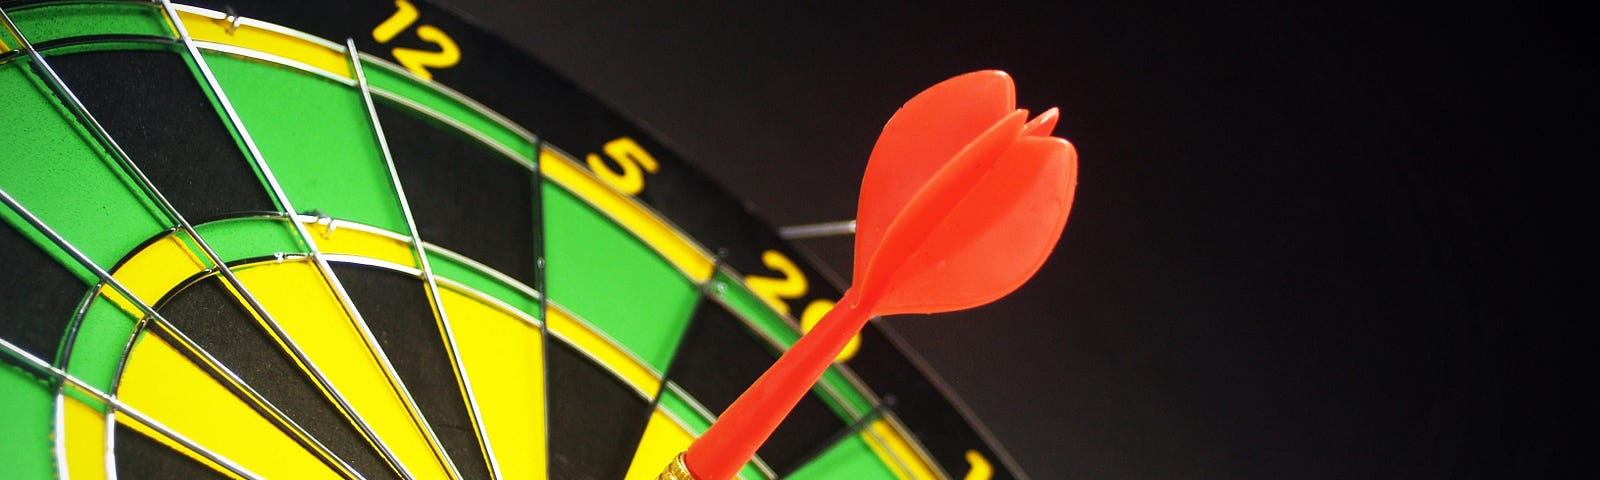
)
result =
(1309, 241)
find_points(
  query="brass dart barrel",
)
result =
(676, 470)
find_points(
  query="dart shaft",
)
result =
(744, 426)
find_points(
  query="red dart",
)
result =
(961, 203)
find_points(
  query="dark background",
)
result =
(1309, 241)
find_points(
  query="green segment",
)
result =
(680, 408)
(60, 256)
(245, 238)
(51, 22)
(850, 458)
(110, 45)
(845, 391)
(383, 77)
(750, 472)
(691, 419)
(98, 347)
(316, 137)
(613, 280)
(55, 168)
(80, 396)
(28, 405)
(474, 278)
(748, 306)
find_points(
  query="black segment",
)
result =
(595, 420)
(149, 103)
(396, 309)
(37, 300)
(719, 357)
(141, 457)
(464, 196)
(854, 428)
(920, 406)
(210, 316)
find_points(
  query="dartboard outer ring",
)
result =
(432, 65)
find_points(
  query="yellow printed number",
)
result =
(981, 470)
(813, 314)
(404, 15)
(777, 291)
(632, 161)
(417, 61)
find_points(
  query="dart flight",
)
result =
(963, 199)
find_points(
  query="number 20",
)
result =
(776, 290)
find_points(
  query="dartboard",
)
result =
(284, 239)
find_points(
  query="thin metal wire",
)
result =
(116, 383)
(301, 357)
(151, 316)
(238, 51)
(706, 415)
(484, 269)
(924, 457)
(75, 325)
(490, 300)
(452, 349)
(544, 301)
(854, 428)
(633, 203)
(431, 248)
(504, 150)
(702, 291)
(444, 283)
(173, 215)
(460, 98)
(603, 336)
(322, 267)
(112, 402)
(237, 383)
(59, 432)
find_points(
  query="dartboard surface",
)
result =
(241, 245)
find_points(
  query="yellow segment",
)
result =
(504, 359)
(693, 261)
(348, 239)
(663, 440)
(891, 446)
(302, 303)
(163, 384)
(214, 29)
(85, 432)
(154, 271)
(605, 351)
(125, 421)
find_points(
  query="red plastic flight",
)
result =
(962, 201)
